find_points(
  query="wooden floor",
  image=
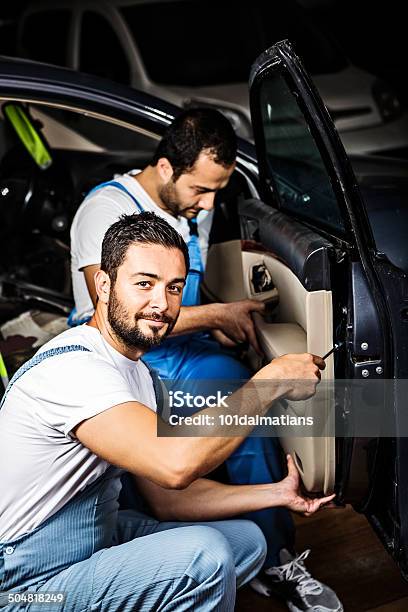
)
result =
(347, 555)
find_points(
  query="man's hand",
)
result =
(292, 498)
(224, 340)
(299, 374)
(235, 325)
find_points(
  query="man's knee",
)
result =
(198, 552)
(256, 541)
(252, 550)
(212, 554)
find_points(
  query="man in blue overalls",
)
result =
(195, 159)
(81, 411)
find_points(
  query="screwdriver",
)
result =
(336, 347)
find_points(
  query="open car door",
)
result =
(304, 249)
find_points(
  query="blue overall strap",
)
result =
(40, 357)
(194, 251)
(191, 291)
(119, 186)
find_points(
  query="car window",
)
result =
(293, 159)
(223, 42)
(75, 130)
(101, 51)
(44, 36)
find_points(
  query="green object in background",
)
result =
(28, 134)
(3, 372)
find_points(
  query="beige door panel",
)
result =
(224, 279)
(227, 279)
(280, 338)
(302, 321)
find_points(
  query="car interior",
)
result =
(37, 207)
(38, 203)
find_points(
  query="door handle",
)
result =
(261, 279)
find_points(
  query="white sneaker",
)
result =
(292, 582)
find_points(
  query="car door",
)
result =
(305, 249)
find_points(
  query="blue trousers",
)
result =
(109, 561)
(258, 459)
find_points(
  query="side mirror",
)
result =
(32, 139)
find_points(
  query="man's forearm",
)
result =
(292, 376)
(200, 454)
(207, 500)
(197, 318)
(129, 435)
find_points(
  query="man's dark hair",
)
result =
(142, 228)
(193, 131)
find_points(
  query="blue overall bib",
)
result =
(108, 560)
(196, 358)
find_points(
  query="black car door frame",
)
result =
(353, 248)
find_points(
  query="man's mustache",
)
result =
(154, 316)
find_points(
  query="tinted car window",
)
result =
(293, 158)
(101, 51)
(45, 36)
(109, 136)
(222, 42)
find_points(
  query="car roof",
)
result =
(15, 70)
(23, 77)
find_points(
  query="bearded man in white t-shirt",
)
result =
(82, 410)
(193, 161)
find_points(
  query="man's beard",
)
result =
(169, 197)
(131, 335)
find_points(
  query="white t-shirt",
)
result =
(42, 464)
(98, 212)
